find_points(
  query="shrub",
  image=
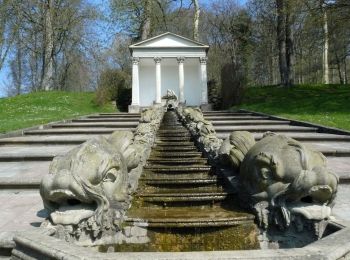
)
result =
(233, 85)
(110, 83)
(124, 98)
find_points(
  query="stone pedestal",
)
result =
(206, 107)
(133, 109)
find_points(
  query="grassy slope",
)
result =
(320, 104)
(43, 107)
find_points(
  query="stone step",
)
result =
(95, 125)
(173, 131)
(173, 139)
(170, 169)
(183, 217)
(215, 113)
(190, 181)
(76, 131)
(119, 114)
(176, 161)
(22, 173)
(173, 135)
(32, 153)
(175, 148)
(164, 155)
(263, 128)
(249, 122)
(146, 189)
(102, 120)
(132, 117)
(300, 136)
(170, 198)
(172, 144)
(180, 177)
(242, 117)
(46, 140)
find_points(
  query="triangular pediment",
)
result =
(168, 40)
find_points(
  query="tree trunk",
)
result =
(19, 65)
(281, 38)
(146, 25)
(345, 72)
(289, 46)
(48, 57)
(326, 45)
(197, 12)
(341, 81)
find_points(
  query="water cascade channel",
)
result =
(182, 204)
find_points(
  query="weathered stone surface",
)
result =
(88, 189)
(202, 130)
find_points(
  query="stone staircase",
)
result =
(183, 203)
(336, 147)
(24, 159)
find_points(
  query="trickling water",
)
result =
(182, 202)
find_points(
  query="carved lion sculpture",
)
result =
(281, 178)
(86, 189)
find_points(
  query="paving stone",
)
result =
(342, 203)
(20, 210)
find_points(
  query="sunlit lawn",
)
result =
(321, 104)
(43, 107)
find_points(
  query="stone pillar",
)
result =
(181, 60)
(135, 101)
(157, 60)
(204, 79)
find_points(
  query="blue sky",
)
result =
(4, 77)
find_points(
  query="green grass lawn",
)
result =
(42, 107)
(327, 105)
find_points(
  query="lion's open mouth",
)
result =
(69, 209)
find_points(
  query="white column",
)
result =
(135, 82)
(157, 60)
(181, 60)
(204, 79)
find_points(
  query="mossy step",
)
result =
(173, 139)
(174, 135)
(144, 189)
(179, 143)
(183, 181)
(176, 161)
(177, 175)
(184, 197)
(176, 154)
(175, 148)
(178, 169)
(186, 217)
(172, 131)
